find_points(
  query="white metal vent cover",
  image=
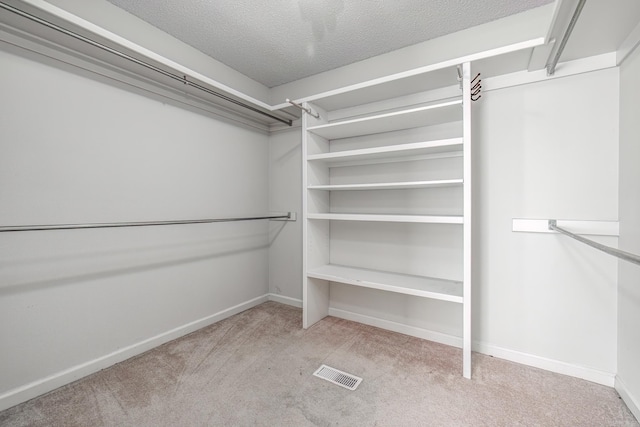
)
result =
(338, 377)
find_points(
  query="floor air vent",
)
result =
(338, 377)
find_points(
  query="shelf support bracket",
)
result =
(306, 110)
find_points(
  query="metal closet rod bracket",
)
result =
(289, 216)
(306, 110)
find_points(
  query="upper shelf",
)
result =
(436, 75)
(73, 40)
(389, 153)
(416, 117)
(57, 28)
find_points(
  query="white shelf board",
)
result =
(365, 93)
(425, 219)
(427, 287)
(388, 185)
(498, 61)
(406, 119)
(390, 152)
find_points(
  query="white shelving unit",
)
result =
(395, 175)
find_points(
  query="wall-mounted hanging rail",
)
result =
(306, 110)
(289, 216)
(551, 67)
(611, 251)
(178, 77)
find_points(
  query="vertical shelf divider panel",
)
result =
(466, 219)
(315, 235)
(396, 141)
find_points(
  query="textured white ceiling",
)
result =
(279, 41)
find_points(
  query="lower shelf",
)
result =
(427, 287)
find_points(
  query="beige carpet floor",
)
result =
(256, 368)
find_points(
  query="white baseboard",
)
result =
(632, 403)
(47, 384)
(577, 371)
(589, 374)
(286, 300)
(397, 327)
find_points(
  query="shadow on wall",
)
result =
(34, 273)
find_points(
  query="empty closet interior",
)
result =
(148, 190)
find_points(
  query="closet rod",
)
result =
(286, 217)
(551, 67)
(611, 251)
(180, 78)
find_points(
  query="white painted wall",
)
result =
(285, 194)
(628, 379)
(547, 150)
(74, 149)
